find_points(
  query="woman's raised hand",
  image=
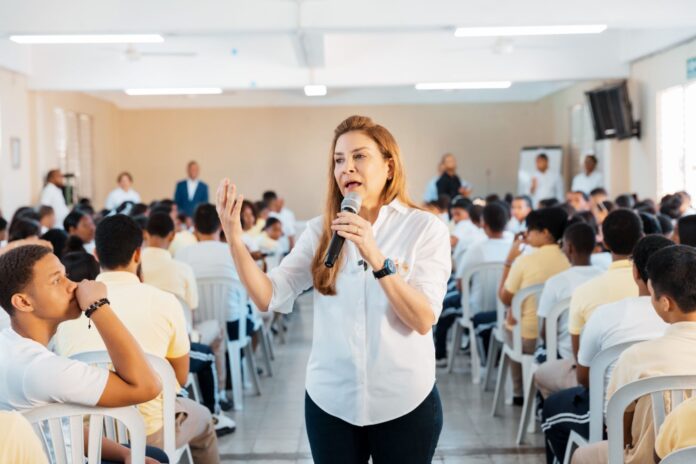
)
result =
(229, 209)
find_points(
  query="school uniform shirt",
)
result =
(558, 288)
(4, 319)
(19, 444)
(613, 285)
(533, 269)
(160, 270)
(671, 354)
(483, 294)
(678, 431)
(118, 196)
(601, 260)
(549, 185)
(515, 227)
(584, 183)
(32, 376)
(52, 196)
(627, 320)
(182, 240)
(366, 366)
(467, 234)
(154, 317)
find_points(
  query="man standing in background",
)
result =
(449, 183)
(52, 195)
(590, 179)
(191, 192)
(545, 184)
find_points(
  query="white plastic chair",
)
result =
(598, 371)
(225, 299)
(168, 378)
(466, 321)
(514, 353)
(495, 345)
(50, 418)
(682, 456)
(551, 330)
(674, 386)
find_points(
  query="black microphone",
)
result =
(350, 203)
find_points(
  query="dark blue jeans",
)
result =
(410, 439)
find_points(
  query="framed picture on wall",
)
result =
(16, 152)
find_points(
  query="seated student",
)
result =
(666, 225)
(482, 295)
(19, 444)
(58, 239)
(24, 228)
(80, 224)
(157, 321)
(544, 229)
(269, 243)
(626, 320)
(650, 224)
(578, 244)
(47, 218)
(685, 232)
(621, 230)
(80, 265)
(580, 201)
(672, 278)
(38, 296)
(3, 231)
(678, 431)
(249, 220)
(466, 232)
(183, 238)
(521, 207)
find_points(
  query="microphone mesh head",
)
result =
(351, 202)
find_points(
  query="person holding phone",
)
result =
(370, 388)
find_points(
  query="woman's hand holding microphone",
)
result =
(359, 231)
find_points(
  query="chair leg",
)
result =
(235, 355)
(499, 395)
(269, 342)
(454, 346)
(475, 360)
(251, 365)
(195, 389)
(266, 353)
(493, 347)
(529, 402)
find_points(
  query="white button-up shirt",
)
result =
(191, 186)
(366, 365)
(549, 185)
(584, 183)
(118, 196)
(52, 196)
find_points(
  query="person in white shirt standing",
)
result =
(52, 195)
(544, 183)
(371, 374)
(124, 192)
(590, 179)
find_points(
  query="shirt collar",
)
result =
(620, 264)
(399, 207)
(687, 329)
(118, 277)
(158, 253)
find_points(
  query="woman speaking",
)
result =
(371, 373)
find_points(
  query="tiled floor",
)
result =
(271, 429)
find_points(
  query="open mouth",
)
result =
(352, 184)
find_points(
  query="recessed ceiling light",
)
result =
(315, 90)
(463, 85)
(175, 91)
(87, 38)
(529, 30)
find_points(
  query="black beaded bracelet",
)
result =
(93, 307)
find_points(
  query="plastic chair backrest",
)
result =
(188, 314)
(674, 385)
(479, 270)
(682, 456)
(168, 378)
(598, 371)
(222, 299)
(49, 420)
(517, 300)
(551, 327)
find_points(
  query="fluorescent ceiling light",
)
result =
(315, 90)
(529, 30)
(463, 85)
(87, 38)
(176, 91)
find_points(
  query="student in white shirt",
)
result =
(277, 209)
(589, 180)
(81, 225)
(269, 243)
(484, 285)
(52, 195)
(371, 374)
(578, 244)
(545, 184)
(38, 296)
(466, 232)
(521, 207)
(630, 319)
(124, 192)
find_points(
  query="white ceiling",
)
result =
(263, 52)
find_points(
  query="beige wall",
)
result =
(287, 148)
(15, 184)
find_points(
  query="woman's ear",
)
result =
(390, 169)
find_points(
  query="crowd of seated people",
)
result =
(145, 260)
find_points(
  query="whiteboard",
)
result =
(527, 164)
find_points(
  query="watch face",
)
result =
(390, 266)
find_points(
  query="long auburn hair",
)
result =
(395, 188)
